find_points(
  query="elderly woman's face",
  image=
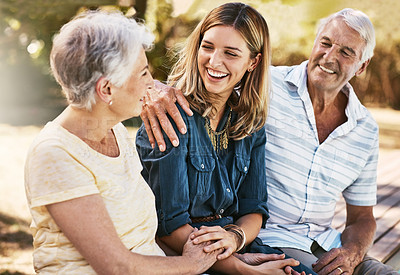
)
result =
(223, 59)
(128, 99)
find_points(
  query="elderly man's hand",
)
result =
(337, 261)
(157, 103)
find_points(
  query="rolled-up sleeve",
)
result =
(166, 174)
(252, 193)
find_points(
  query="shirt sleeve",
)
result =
(252, 194)
(362, 191)
(166, 174)
(54, 175)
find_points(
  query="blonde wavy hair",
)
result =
(251, 100)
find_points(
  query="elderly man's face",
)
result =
(335, 57)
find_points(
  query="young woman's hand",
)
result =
(260, 258)
(219, 238)
(273, 266)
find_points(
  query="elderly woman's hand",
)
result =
(196, 254)
(158, 102)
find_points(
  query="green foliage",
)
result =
(29, 91)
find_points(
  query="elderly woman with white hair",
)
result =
(91, 209)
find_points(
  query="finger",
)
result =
(166, 125)
(183, 102)
(147, 126)
(176, 116)
(289, 270)
(261, 257)
(325, 260)
(210, 236)
(227, 253)
(331, 268)
(287, 262)
(209, 229)
(156, 129)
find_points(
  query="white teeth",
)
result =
(215, 73)
(326, 70)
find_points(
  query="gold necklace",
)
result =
(219, 139)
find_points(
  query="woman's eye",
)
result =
(206, 47)
(231, 54)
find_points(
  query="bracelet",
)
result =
(238, 231)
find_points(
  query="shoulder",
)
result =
(280, 72)
(52, 135)
(53, 143)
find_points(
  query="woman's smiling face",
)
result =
(223, 59)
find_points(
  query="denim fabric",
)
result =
(257, 246)
(192, 180)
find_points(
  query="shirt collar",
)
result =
(298, 77)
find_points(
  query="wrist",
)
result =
(240, 267)
(239, 234)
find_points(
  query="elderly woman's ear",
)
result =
(103, 90)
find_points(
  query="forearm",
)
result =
(360, 230)
(359, 236)
(251, 225)
(162, 265)
(86, 223)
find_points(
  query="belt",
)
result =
(206, 219)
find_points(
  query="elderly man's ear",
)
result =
(362, 68)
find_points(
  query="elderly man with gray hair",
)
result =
(321, 143)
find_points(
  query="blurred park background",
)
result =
(30, 97)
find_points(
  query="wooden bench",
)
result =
(386, 247)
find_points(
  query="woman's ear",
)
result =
(103, 90)
(254, 62)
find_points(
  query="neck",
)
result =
(86, 125)
(325, 100)
(214, 121)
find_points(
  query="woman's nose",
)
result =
(215, 59)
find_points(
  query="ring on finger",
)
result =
(341, 271)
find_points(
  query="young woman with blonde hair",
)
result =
(215, 179)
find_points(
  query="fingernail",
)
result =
(183, 130)
(152, 145)
(175, 143)
(161, 148)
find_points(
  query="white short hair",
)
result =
(92, 45)
(358, 21)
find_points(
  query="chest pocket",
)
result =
(242, 167)
(200, 173)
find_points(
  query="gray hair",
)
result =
(358, 21)
(92, 45)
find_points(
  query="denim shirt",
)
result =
(192, 180)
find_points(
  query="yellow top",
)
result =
(60, 167)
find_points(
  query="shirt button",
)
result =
(221, 211)
(245, 168)
(202, 166)
(229, 190)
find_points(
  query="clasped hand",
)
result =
(219, 238)
(227, 242)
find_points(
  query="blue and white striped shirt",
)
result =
(305, 178)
